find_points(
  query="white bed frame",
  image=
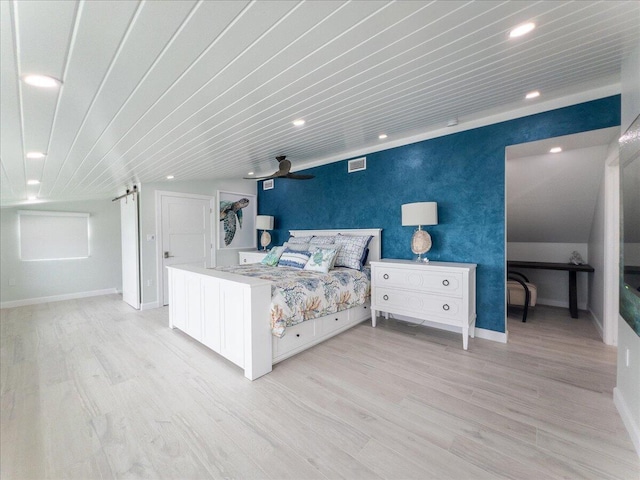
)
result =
(229, 313)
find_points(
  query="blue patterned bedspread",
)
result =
(299, 295)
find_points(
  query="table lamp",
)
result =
(420, 213)
(264, 223)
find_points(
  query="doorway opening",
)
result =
(559, 208)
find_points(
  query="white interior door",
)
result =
(186, 234)
(130, 250)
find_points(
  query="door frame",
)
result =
(159, 235)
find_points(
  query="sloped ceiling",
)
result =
(552, 197)
(208, 89)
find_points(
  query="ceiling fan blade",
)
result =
(296, 176)
(275, 175)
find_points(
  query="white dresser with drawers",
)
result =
(438, 292)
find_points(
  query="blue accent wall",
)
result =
(464, 172)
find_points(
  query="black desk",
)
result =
(569, 267)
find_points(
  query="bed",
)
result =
(230, 313)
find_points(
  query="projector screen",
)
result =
(53, 235)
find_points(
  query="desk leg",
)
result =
(573, 294)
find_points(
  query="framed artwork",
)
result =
(236, 220)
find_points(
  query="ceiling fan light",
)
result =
(41, 81)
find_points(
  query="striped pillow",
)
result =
(291, 258)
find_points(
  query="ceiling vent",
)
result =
(357, 164)
(267, 184)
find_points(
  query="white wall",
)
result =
(553, 286)
(596, 247)
(62, 278)
(627, 391)
(148, 253)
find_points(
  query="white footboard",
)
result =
(228, 313)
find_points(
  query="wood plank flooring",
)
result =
(91, 389)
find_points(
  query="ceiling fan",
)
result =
(284, 166)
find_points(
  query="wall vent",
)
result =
(267, 184)
(357, 164)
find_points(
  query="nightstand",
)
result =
(439, 292)
(251, 256)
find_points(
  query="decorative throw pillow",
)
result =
(298, 247)
(291, 258)
(323, 240)
(335, 246)
(321, 259)
(294, 240)
(273, 256)
(352, 250)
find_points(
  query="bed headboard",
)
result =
(375, 245)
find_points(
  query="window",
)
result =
(53, 235)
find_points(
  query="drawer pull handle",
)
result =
(386, 297)
(386, 276)
(336, 319)
(297, 334)
(445, 282)
(445, 307)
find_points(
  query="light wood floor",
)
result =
(93, 389)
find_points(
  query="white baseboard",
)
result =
(57, 298)
(149, 306)
(559, 303)
(597, 323)
(492, 335)
(627, 419)
(479, 332)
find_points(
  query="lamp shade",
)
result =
(420, 213)
(264, 222)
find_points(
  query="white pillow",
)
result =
(321, 259)
(353, 249)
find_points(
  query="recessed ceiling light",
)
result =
(555, 150)
(42, 81)
(521, 29)
(32, 198)
(299, 122)
(33, 182)
(531, 95)
(250, 173)
(170, 177)
(382, 136)
(36, 155)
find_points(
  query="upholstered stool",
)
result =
(521, 292)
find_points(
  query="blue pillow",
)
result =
(292, 258)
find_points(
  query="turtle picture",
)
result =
(230, 216)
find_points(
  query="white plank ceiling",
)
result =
(208, 89)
